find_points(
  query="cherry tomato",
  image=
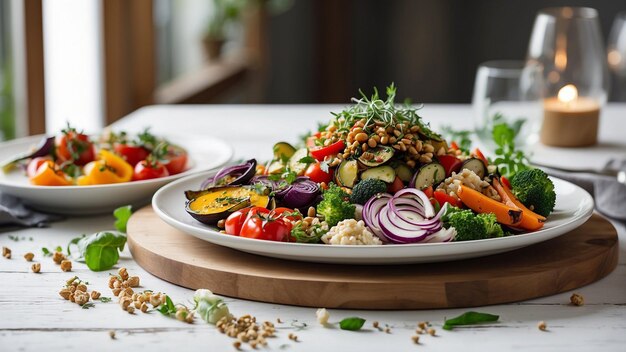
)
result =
(146, 170)
(443, 198)
(395, 186)
(33, 165)
(235, 221)
(131, 153)
(450, 163)
(75, 147)
(321, 152)
(266, 227)
(481, 156)
(177, 159)
(505, 182)
(316, 174)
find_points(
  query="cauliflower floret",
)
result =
(322, 316)
(350, 232)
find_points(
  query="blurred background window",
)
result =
(7, 114)
(73, 64)
(104, 59)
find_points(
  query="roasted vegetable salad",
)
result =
(376, 173)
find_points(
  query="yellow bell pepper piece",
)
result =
(109, 168)
(47, 176)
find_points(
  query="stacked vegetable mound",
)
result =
(376, 173)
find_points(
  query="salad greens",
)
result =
(469, 318)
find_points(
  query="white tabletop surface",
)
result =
(35, 317)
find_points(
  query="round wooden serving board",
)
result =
(578, 258)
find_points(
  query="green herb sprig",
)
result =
(168, 309)
(461, 137)
(387, 111)
(509, 159)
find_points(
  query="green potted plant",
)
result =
(224, 13)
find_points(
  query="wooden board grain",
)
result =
(578, 258)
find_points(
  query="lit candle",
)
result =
(570, 120)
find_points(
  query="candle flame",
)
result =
(568, 93)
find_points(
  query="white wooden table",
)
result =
(34, 317)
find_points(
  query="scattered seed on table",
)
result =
(29, 256)
(577, 299)
(542, 326)
(66, 265)
(36, 267)
(416, 339)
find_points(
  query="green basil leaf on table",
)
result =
(469, 318)
(74, 241)
(352, 323)
(46, 252)
(101, 250)
(122, 214)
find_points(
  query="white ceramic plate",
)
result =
(204, 154)
(573, 207)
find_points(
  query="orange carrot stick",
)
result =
(480, 203)
(530, 220)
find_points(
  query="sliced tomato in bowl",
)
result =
(75, 147)
(133, 154)
(147, 170)
(176, 159)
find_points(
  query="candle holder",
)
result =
(566, 43)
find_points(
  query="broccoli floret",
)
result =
(467, 225)
(366, 189)
(470, 226)
(334, 205)
(535, 190)
(491, 225)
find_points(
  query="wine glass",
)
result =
(616, 56)
(507, 91)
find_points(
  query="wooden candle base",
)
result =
(570, 128)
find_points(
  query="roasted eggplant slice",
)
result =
(211, 205)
